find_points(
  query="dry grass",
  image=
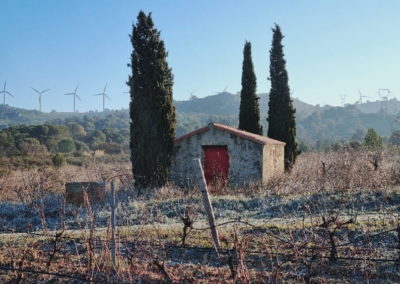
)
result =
(317, 233)
(27, 184)
(330, 172)
(313, 173)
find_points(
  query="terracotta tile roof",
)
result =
(232, 130)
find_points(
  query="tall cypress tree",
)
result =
(281, 113)
(152, 111)
(249, 115)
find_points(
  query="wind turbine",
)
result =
(74, 94)
(40, 93)
(343, 99)
(223, 91)
(104, 96)
(361, 97)
(384, 97)
(5, 92)
(192, 95)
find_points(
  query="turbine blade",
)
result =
(107, 97)
(5, 83)
(69, 94)
(35, 90)
(45, 91)
(105, 88)
(77, 87)
(8, 93)
(78, 97)
(98, 95)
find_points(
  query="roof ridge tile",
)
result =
(242, 133)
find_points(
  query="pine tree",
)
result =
(249, 115)
(281, 113)
(152, 111)
(372, 140)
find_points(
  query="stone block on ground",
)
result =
(74, 192)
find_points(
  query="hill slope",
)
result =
(10, 116)
(315, 124)
(228, 104)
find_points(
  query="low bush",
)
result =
(58, 160)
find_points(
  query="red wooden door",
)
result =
(216, 165)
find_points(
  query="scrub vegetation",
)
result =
(333, 218)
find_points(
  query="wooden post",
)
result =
(398, 237)
(113, 222)
(208, 207)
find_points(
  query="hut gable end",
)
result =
(238, 132)
(245, 155)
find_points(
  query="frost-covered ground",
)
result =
(50, 212)
(288, 233)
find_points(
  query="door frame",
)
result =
(203, 147)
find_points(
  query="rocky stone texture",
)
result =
(249, 161)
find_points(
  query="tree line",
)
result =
(72, 137)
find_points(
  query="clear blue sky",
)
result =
(331, 47)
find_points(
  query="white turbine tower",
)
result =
(75, 95)
(361, 97)
(343, 99)
(104, 95)
(223, 90)
(40, 93)
(384, 96)
(5, 92)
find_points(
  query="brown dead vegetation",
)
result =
(319, 244)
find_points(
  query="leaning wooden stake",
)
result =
(113, 223)
(208, 207)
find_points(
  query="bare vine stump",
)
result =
(113, 206)
(74, 192)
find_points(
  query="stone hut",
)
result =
(229, 155)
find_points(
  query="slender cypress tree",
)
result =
(281, 113)
(249, 115)
(152, 111)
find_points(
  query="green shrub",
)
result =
(395, 137)
(110, 148)
(372, 140)
(81, 147)
(58, 160)
(32, 146)
(66, 145)
(77, 154)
